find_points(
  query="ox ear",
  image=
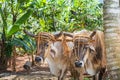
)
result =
(52, 53)
(93, 33)
(92, 49)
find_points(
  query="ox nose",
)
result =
(38, 59)
(79, 64)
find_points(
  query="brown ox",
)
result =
(56, 51)
(89, 50)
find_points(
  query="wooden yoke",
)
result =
(66, 48)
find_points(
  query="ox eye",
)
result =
(73, 50)
(75, 47)
(85, 47)
(46, 44)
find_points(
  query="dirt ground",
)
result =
(36, 72)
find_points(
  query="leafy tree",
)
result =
(67, 15)
(11, 21)
(43, 15)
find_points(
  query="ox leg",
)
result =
(95, 77)
(59, 77)
(81, 77)
(74, 74)
(102, 71)
(62, 74)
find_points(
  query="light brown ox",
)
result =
(89, 50)
(56, 51)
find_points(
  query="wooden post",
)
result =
(33, 62)
(27, 66)
(14, 59)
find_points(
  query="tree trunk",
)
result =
(3, 58)
(33, 62)
(14, 59)
(111, 16)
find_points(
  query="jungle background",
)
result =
(45, 16)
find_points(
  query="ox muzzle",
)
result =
(38, 59)
(79, 64)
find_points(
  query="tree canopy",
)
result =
(45, 16)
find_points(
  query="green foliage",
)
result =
(13, 16)
(84, 79)
(45, 15)
(30, 43)
(87, 14)
(67, 15)
(3, 19)
(16, 26)
(8, 47)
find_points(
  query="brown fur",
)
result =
(43, 37)
(66, 49)
(68, 59)
(64, 57)
(100, 49)
(98, 59)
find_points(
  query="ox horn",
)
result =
(68, 34)
(28, 33)
(57, 35)
(93, 33)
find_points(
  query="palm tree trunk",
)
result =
(112, 37)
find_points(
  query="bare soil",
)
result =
(36, 72)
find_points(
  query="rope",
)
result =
(79, 39)
(66, 48)
(43, 37)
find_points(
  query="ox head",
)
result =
(41, 47)
(83, 48)
(43, 41)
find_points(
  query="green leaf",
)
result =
(18, 23)
(3, 19)
(8, 47)
(20, 43)
(30, 42)
(42, 22)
